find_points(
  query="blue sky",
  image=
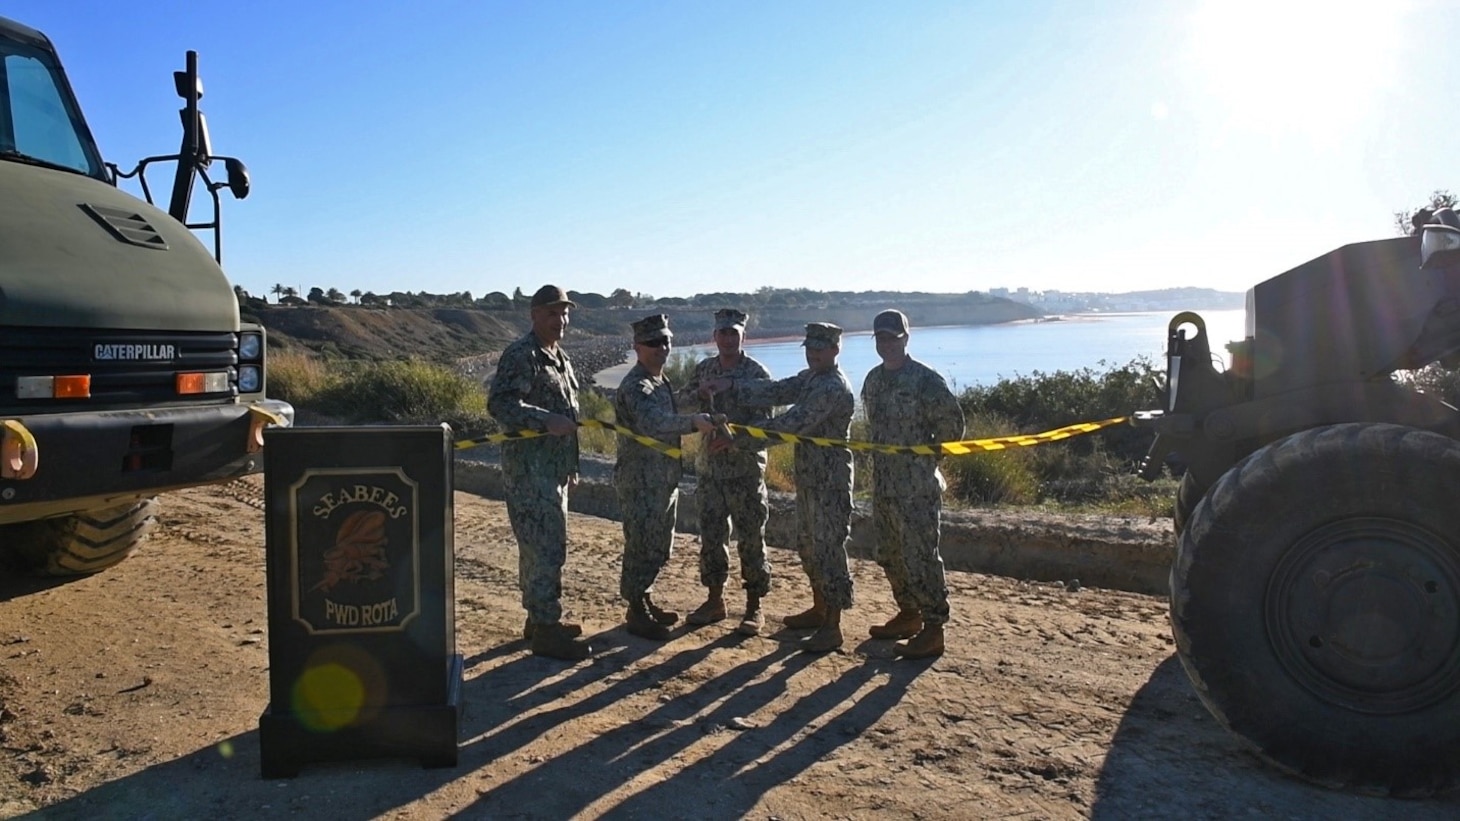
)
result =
(674, 148)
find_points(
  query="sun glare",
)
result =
(1295, 65)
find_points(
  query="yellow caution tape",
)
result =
(496, 438)
(648, 441)
(944, 448)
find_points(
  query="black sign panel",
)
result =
(362, 659)
(355, 554)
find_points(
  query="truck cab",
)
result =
(124, 368)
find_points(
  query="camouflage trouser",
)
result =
(741, 500)
(648, 512)
(907, 548)
(538, 510)
(823, 524)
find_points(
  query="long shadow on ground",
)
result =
(1169, 758)
(724, 784)
(222, 780)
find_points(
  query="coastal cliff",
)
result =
(454, 334)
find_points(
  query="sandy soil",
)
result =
(136, 693)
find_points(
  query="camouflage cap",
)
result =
(654, 326)
(551, 295)
(890, 321)
(730, 318)
(821, 335)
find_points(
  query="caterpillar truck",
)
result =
(124, 369)
(1315, 591)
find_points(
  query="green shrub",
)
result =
(992, 477)
(1128, 495)
(679, 369)
(1041, 402)
(594, 405)
(404, 392)
(296, 377)
(780, 470)
(1079, 469)
(861, 459)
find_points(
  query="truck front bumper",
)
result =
(81, 461)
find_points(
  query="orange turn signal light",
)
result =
(72, 387)
(205, 382)
(189, 383)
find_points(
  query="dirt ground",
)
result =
(136, 693)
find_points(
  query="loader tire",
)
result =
(81, 543)
(1188, 494)
(1315, 601)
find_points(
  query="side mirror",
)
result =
(238, 181)
(186, 89)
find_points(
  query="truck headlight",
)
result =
(250, 378)
(249, 346)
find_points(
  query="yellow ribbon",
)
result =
(945, 448)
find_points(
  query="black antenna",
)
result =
(189, 156)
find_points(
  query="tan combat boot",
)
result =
(664, 617)
(555, 641)
(905, 624)
(815, 616)
(712, 610)
(641, 622)
(925, 645)
(828, 636)
(753, 621)
(529, 627)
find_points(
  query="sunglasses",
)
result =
(661, 342)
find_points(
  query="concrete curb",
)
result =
(1094, 551)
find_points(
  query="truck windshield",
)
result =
(39, 119)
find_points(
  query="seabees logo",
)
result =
(356, 566)
(359, 551)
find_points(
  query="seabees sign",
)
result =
(354, 555)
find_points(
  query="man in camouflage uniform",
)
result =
(534, 388)
(908, 403)
(647, 480)
(730, 483)
(822, 405)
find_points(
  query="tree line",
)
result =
(764, 297)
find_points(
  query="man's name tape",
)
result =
(942, 448)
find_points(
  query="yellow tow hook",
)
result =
(260, 418)
(19, 455)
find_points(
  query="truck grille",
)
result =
(127, 368)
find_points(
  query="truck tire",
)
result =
(81, 543)
(1315, 601)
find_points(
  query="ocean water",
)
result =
(985, 354)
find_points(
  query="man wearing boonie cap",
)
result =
(908, 403)
(730, 481)
(647, 480)
(822, 405)
(534, 388)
